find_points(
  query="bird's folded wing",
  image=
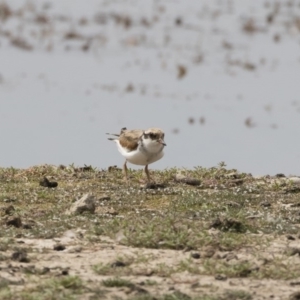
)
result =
(130, 138)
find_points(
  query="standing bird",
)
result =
(140, 147)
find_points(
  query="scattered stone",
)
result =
(7, 200)
(20, 256)
(21, 43)
(195, 285)
(14, 221)
(123, 20)
(72, 35)
(279, 175)
(228, 225)
(9, 210)
(49, 184)
(113, 168)
(41, 19)
(178, 21)
(153, 186)
(181, 71)
(65, 272)
(117, 264)
(221, 277)
(5, 11)
(86, 203)
(290, 237)
(250, 27)
(245, 272)
(195, 255)
(233, 204)
(270, 17)
(216, 223)
(27, 226)
(187, 180)
(191, 120)
(248, 121)
(265, 204)
(30, 223)
(59, 247)
(295, 296)
(84, 169)
(129, 88)
(293, 251)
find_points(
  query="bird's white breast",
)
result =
(141, 156)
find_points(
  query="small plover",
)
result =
(140, 147)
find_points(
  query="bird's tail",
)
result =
(115, 134)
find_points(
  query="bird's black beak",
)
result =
(161, 141)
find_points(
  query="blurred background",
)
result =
(221, 78)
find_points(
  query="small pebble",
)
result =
(195, 255)
(117, 264)
(49, 184)
(59, 247)
(221, 277)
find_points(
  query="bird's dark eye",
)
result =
(152, 135)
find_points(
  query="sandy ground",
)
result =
(143, 265)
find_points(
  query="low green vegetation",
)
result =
(230, 218)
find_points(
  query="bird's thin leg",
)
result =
(125, 171)
(147, 173)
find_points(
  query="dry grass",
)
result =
(237, 224)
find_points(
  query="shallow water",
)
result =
(238, 101)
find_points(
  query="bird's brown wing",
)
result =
(129, 138)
